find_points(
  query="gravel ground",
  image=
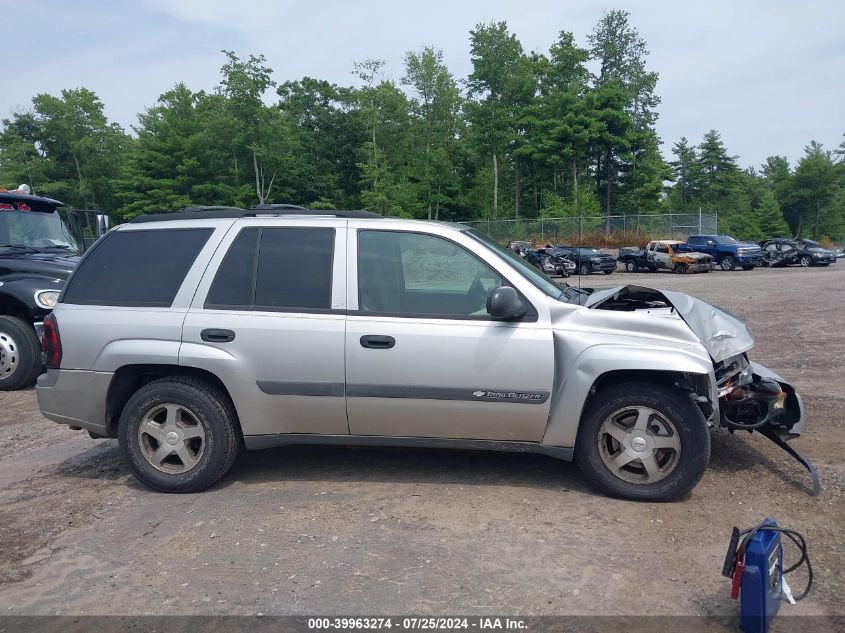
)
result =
(311, 530)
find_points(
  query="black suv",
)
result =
(38, 250)
(783, 251)
(587, 259)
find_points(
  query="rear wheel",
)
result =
(20, 354)
(727, 262)
(643, 441)
(631, 266)
(178, 434)
(584, 269)
(680, 268)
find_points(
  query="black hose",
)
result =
(798, 539)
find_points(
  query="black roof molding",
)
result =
(215, 213)
(22, 197)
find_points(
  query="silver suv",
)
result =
(191, 335)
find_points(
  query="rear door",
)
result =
(268, 318)
(423, 358)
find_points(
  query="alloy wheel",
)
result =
(172, 439)
(639, 445)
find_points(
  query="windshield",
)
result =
(810, 243)
(538, 279)
(35, 230)
(726, 239)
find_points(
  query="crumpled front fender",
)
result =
(573, 384)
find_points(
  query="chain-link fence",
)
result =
(575, 229)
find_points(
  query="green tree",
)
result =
(263, 133)
(165, 162)
(809, 191)
(623, 83)
(436, 108)
(501, 83)
(769, 218)
(329, 131)
(64, 148)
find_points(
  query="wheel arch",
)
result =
(12, 305)
(129, 378)
(601, 366)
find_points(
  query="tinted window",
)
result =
(696, 240)
(136, 268)
(233, 284)
(295, 268)
(662, 248)
(412, 273)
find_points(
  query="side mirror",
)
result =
(504, 304)
(102, 224)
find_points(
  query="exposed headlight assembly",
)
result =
(46, 298)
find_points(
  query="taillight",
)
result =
(51, 343)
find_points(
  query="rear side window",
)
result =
(695, 240)
(136, 268)
(292, 271)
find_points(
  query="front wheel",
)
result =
(680, 268)
(607, 272)
(643, 441)
(20, 354)
(584, 269)
(631, 266)
(806, 261)
(727, 262)
(178, 434)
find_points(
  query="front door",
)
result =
(424, 359)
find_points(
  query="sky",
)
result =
(770, 76)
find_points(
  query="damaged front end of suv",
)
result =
(751, 397)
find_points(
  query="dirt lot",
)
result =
(336, 530)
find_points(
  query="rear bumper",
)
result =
(75, 398)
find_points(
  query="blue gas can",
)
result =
(762, 580)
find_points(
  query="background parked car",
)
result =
(587, 259)
(678, 257)
(634, 259)
(783, 251)
(553, 263)
(818, 255)
(727, 252)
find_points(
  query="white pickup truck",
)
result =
(676, 256)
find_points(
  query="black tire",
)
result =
(631, 266)
(806, 261)
(748, 267)
(608, 272)
(20, 354)
(727, 262)
(679, 269)
(211, 408)
(584, 269)
(687, 419)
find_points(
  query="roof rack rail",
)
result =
(215, 213)
(277, 206)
